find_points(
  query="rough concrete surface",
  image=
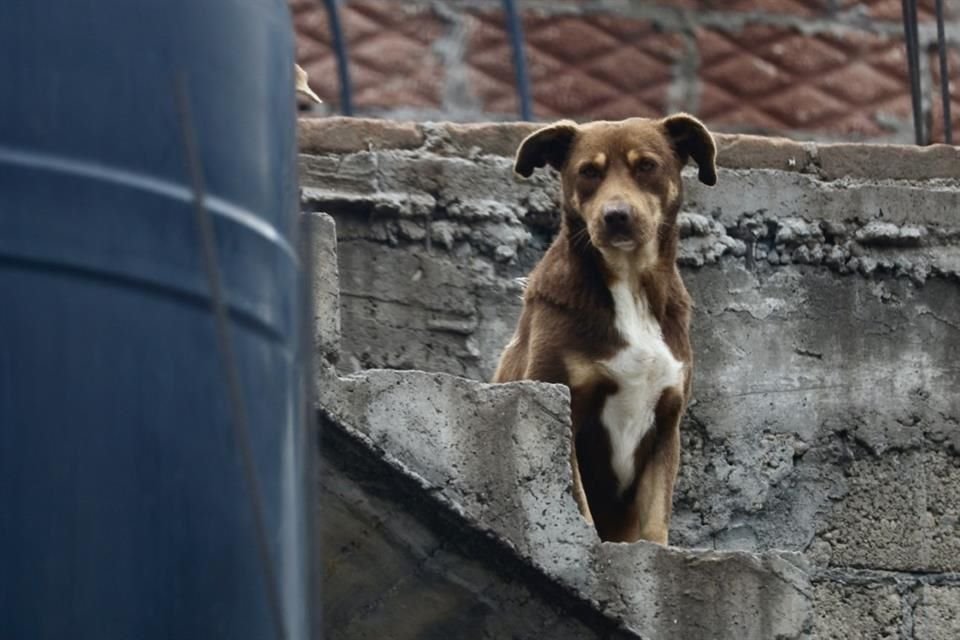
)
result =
(872, 612)
(825, 420)
(483, 451)
(383, 571)
(937, 613)
(320, 234)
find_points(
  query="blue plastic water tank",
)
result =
(124, 511)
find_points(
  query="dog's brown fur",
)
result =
(567, 331)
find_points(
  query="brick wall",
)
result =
(821, 69)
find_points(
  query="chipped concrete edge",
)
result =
(735, 151)
(490, 454)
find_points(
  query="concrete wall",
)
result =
(826, 417)
(827, 69)
(479, 472)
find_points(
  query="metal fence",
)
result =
(911, 37)
(515, 31)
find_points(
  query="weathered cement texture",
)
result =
(937, 613)
(384, 573)
(383, 560)
(826, 416)
(868, 613)
(499, 455)
(320, 236)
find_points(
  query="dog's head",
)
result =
(621, 180)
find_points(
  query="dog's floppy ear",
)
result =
(691, 139)
(549, 145)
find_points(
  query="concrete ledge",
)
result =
(343, 135)
(498, 455)
(889, 161)
(776, 214)
(828, 161)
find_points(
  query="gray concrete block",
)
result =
(436, 285)
(415, 309)
(857, 612)
(893, 162)
(804, 384)
(356, 172)
(937, 614)
(899, 513)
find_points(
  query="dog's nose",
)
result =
(616, 215)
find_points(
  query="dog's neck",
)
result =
(645, 269)
(578, 276)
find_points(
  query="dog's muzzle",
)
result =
(618, 224)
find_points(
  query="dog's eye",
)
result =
(646, 165)
(590, 172)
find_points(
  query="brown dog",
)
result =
(606, 313)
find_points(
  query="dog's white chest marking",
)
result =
(642, 370)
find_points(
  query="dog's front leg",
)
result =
(654, 498)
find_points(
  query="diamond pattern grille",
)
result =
(390, 44)
(953, 60)
(762, 77)
(777, 79)
(580, 66)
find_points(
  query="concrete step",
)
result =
(496, 456)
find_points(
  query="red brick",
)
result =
(594, 66)
(681, 4)
(771, 7)
(785, 7)
(860, 84)
(775, 79)
(390, 47)
(805, 107)
(802, 55)
(953, 65)
(892, 10)
(725, 112)
(747, 76)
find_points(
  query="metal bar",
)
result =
(912, 38)
(944, 75)
(515, 30)
(340, 49)
(240, 422)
